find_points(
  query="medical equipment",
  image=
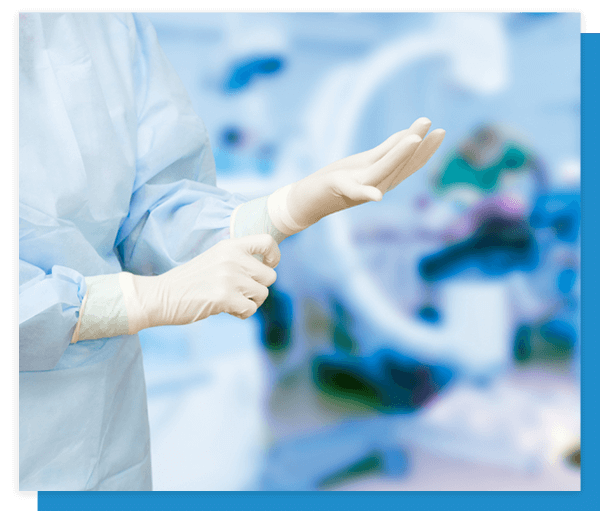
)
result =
(561, 212)
(243, 73)
(386, 381)
(275, 317)
(465, 169)
(500, 244)
(552, 336)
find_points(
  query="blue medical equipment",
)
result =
(498, 246)
(275, 318)
(551, 341)
(561, 212)
(386, 380)
(553, 337)
(243, 73)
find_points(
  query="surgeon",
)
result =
(122, 227)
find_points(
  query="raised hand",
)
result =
(358, 178)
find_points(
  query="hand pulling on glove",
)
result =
(225, 278)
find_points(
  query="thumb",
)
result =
(359, 192)
(263, 245)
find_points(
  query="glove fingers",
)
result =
(382, 149)
(260, 272)
(241, 307)
(396, 157)
(262, 244)
(393, 177)
(420, 157)
(419, 127)
(246, 294)
(255, 292)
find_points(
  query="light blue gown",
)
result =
(115, 173)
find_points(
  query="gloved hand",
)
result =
(354, 180)
(225, 278)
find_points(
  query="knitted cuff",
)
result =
(103, 312)
(253, 218)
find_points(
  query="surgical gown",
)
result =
(115, 173)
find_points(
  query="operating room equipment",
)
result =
(552, 335)
(243, 73)
(484, 159)
(499, 244)
(386, 381)
(559, 211)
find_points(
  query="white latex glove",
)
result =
(225, 278)
(354, 180)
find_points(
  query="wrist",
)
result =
(278, 205)
(252, 217)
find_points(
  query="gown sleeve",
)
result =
(175, 211)
(48, 313)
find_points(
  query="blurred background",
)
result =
(427, 342)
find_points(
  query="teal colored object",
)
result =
(460, 172)
(560, 334)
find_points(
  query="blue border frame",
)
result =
(590, 138)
